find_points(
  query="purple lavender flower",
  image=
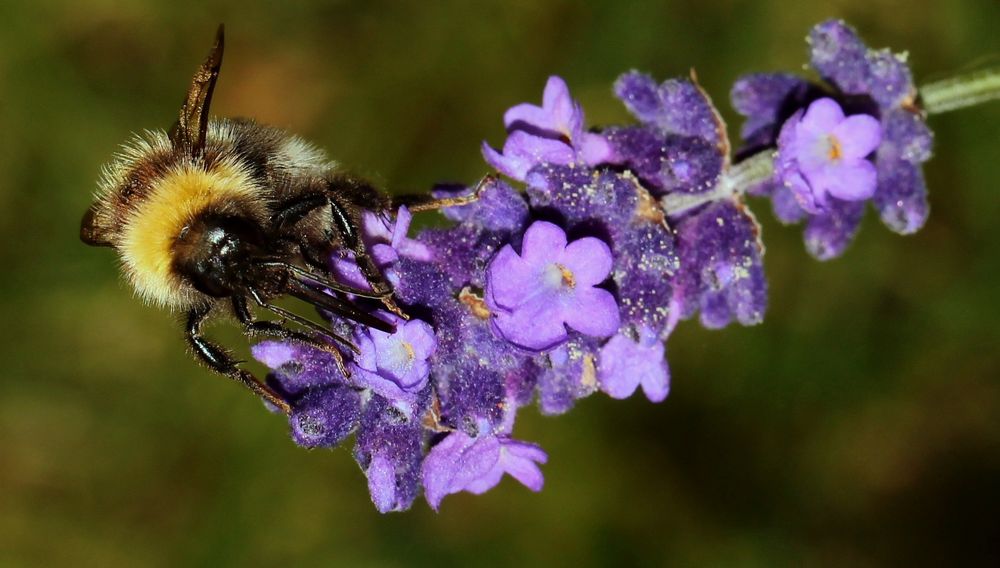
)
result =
(823, 153)
(491, 329)
(460, 462)
(676, 106)
(681, 145)
(297, 368)
(625, 363)
(550, 134)
(721, 274)
(499, 207)
(325, 416)
(566, 374)
(551, 284)
(394, 365)
(389, 450)
(901, 198)
(873, 82)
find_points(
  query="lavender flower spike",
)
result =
(532, 295)
(822, 153)
(503, 309)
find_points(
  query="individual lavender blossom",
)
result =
(865, 81)
(722, 275)
(497, 208)
(822, 154)
(566, 374)
(627, 363)
(394, 365)
(389, 450)
(297, 368)
(680, 145)
(550, 134)
(550, 285)
(461, 462)
(325, 416)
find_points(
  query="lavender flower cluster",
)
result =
(573, 283)
(826, 136)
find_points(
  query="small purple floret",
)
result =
(325, 416)
(676, 106)
(824, 153)
(625, 363)
(499, 207)
(550, 134)
(460, 462)
(389, 450)
(566, 374)
(551, 284)
(394, 365)
(297, 368)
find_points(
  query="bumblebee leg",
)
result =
(254, 328)
(366, 264)
(427, 202)
(307, 277)
(348, 226)
(220, 361)
(294, 211)
(372, 273)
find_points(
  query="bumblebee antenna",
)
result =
(190, 130)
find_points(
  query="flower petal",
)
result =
(521, 459)
(543, 243)
(508, 278)
(858, 136)
(854, 182)
(535, 326)
(821, 118)
(589, 260)
(593, 311)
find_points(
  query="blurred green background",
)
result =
(860, 425)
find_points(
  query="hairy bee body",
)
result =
(228, 214)
(150, 193)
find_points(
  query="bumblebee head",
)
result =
(218, 253)
(163, 197)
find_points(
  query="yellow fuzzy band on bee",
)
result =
(151, 230)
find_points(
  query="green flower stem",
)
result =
(734, 181)
(961, 92)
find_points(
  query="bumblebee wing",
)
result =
(191, 128)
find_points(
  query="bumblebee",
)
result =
(221, 216)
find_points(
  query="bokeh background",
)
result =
(859, 425)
